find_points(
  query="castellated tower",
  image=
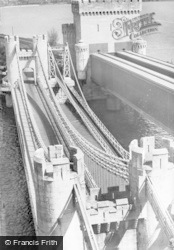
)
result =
(96, 22)
(54, 182)
(98, 26)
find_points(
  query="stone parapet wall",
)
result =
(105, 7)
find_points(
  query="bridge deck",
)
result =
(40, 115)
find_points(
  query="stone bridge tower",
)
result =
(98, 26)
(96, 22)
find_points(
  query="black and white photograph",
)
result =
(86, 124)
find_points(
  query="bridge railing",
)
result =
(30, 118)
(161, 212)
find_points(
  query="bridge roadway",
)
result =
(40, 115)
(144, 83)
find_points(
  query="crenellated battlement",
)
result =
(102, 8)
(56, 169)
(10, 39)
(145, 156)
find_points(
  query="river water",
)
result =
(125, 124)
(15, 199)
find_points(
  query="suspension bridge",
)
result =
(64, 143)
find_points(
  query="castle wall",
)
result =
(96, 22)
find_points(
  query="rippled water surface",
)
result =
(126, 124)
(15, 199)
